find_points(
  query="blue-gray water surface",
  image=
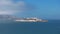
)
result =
(50, 27)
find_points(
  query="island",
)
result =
(34, 19)
(16, 19)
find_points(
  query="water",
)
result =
(51, 27)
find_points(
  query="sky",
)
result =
(46, 9)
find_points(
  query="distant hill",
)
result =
(7, 17)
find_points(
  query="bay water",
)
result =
(50, 27)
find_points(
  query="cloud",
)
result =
(9, 7)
